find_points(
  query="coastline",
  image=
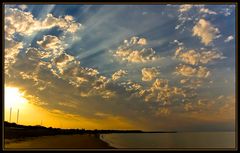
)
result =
(76, 141)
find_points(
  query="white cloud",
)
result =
(63, 62)
(77, 81)
(162, 111)
(203, 72)
(49, 42)
(17, 21)
(197, 57)
(229, 38)
(52, 45)
(142, 41)
(117, 75)
(205, 30)
(12, 49)
(149, 73)
(207, 11)
(208, 56)
(162, 92)
(35, 54)
(24, 23)
(134, 51)
(190, 57)
(178, 42)
(23, 7)
(66, 23)
(184, 8)
(159, 84)
(101, 82)
(226, 11)
(131, 86)
(200, 71)
(192, 83)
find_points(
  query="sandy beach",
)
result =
(78, 141)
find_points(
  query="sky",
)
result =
(147, 67)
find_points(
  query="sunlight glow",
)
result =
(13, 97)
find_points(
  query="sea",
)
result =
(180, 140)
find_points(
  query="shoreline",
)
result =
(75, 141)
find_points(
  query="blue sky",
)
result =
(138, 63)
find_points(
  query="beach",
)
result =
(76, 141)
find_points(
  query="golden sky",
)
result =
(162, 67)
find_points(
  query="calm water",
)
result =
(172, 140)
(138, 140)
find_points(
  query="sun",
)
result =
(13, 98)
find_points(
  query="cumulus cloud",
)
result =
(208, 56)
(17, 21)
(192, 83)
(207, 11)
(66, 23)
(178, 42)
(12, 49)
(49, 42)
(131, 86)
(163, 111)
(134, 51)
(67, 69)
(226, 11)
(23, 7)
(117, 75)
(197, 57)
(200, 71)
(142, 41)
(162, 92)
(184, 8)
(52, 45)
(63, 62)
(216, 106)
(229, 38)
(101, 82)
(205, 30)
(77, 81)
(149, 73)
(24, 23)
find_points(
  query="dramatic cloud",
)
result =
(23, 7)
(17, 21)
(117, 75)
(201, 72)
(205, 30)
(52, 45)
(207, 11)
(66, 23)
(192, 83)
(149, 73)
(142, 41)
(162, 111)
(93, 82)
(184, 8)
(229, 38)
(134, 51)
(132, 87)
(162, 92)
(24, 23)
(197, 57)
(12, 48)
(64, 61)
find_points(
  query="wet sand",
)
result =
(77, 141)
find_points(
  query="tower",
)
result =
(17, 115)
(10, 114)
